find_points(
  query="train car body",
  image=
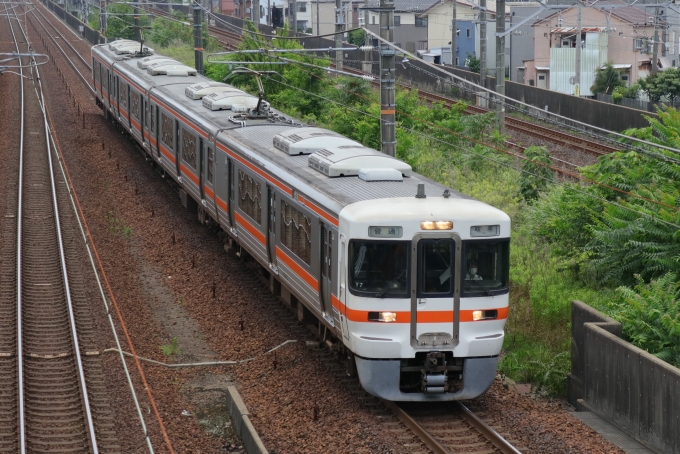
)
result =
(408, 276)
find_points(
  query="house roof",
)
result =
(617, 8)
(407, 6)
(490, 5)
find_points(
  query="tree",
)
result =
(606, 80)
(119, 23)
(473, 63)
(356, 37)
(536, 173)
(664, 84)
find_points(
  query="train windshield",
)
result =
(486, 267)
(379, 269)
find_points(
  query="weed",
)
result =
(117, 226)
(171, 349)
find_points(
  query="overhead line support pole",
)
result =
(655, 48)
(454, 34)
(387, 79)
(579, 38)
(339, 28)
(368, 55)
(198, 38)
(500, 64)
(482, 43)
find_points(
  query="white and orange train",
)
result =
(410, 277)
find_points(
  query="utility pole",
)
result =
(293, 6)
(269, 12)
(198, 39)
(500, 64)
(482, 43)
(368, 54)
(338, 34)
(577, 78)
(454, 34)
(255, 4)
(387, 76)
(655, 49)
(318, 24)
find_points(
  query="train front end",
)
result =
(424, 295)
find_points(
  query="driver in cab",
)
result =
(472, 275)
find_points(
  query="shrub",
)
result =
(536, 173)
(650, 316)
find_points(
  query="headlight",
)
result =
(485, 315)
(387, 317)
(436, 225)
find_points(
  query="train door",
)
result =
(201, 165)
(178, 146)
(155, 127)
(231, 185)
(435, 289)
(326, 264)
(145, 119)
(271, 226)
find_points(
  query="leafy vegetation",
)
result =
(536, 175)
(570, 241)
(171, 349)
(607, 79)
(120, 22)
(650, 316)
(473, 63)
(662, 84)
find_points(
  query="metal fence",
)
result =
(629, 387)
(89, 34)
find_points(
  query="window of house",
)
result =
(397, 20)
(296, 232)
(373, 20)
(467, 33)
(421, 21)
(458, 32)
(250, 195)
(301, 7)
(638, 43)
(189, 148)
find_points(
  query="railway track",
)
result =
(53, 396)
(227, 39)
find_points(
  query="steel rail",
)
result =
(494, 437)
(416, 428)
(20, 356)
(62, 257)
(84, 79)
(63, 38)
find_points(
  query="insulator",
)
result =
(368, 78)
(366, 48)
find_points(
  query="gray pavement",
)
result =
(611, 433)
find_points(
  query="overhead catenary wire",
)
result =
(496, 161)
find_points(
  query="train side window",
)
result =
(249, 196)
(296, 232)
(211, 165)
(189, 148)
(166, 131)
(123, 94)
(134, 105)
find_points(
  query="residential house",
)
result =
(611, 32)
(521, 40)
(410, 28)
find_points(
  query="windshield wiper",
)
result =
(389, 284)
(485, 289)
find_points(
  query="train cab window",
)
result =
(436, 262)
(379, 269)
(211, 165)
(486, 266)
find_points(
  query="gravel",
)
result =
(162, 264)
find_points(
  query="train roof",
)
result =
(255, 139)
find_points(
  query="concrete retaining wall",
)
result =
(626, 385)
(89, 34)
